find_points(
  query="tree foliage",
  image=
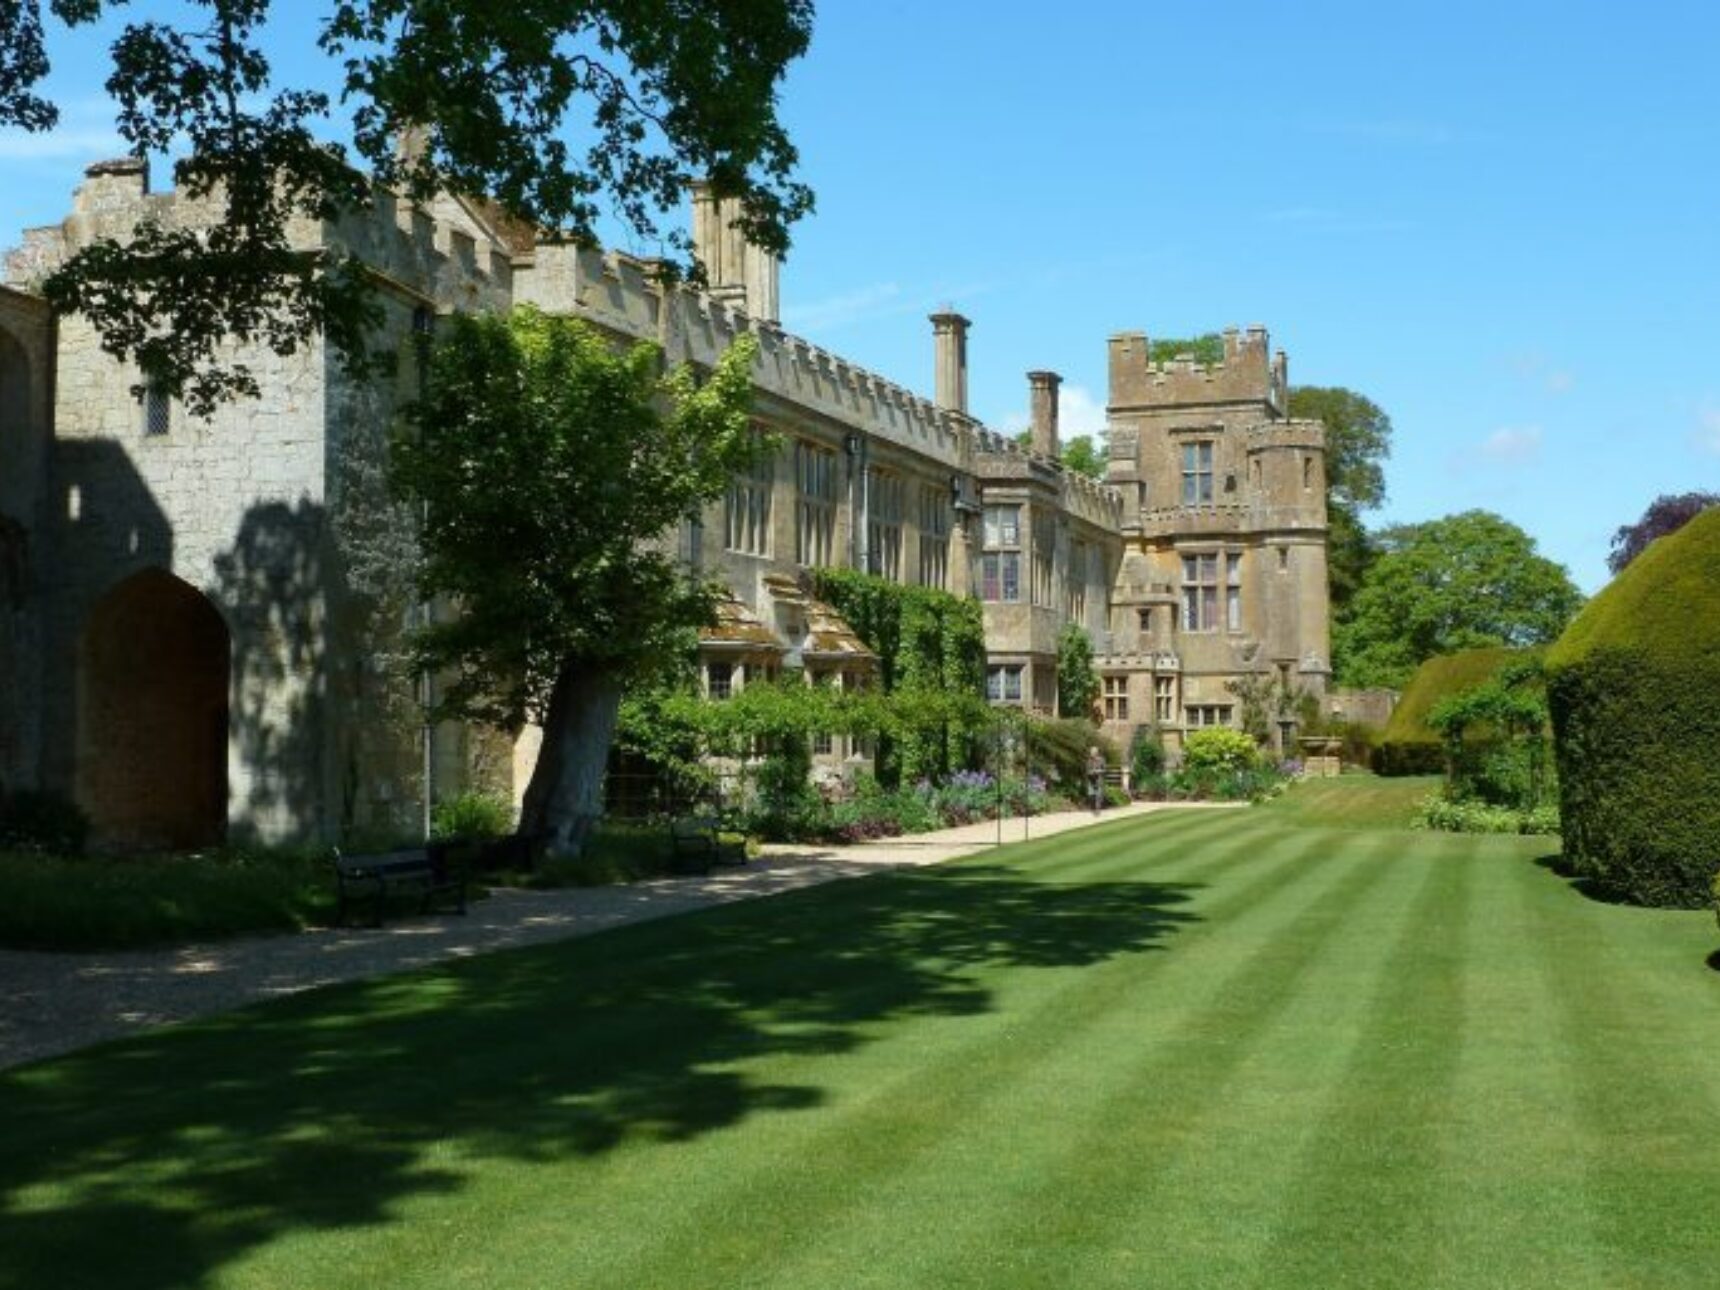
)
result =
(557, 109)
(1456, 583)
(1085, 455)
(931, 653)
(549, 464)
(1077, 681)
(1358, 441)
(1665, 514)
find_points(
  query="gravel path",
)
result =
(54, 1003)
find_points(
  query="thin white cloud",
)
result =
(1512, 445)
(1539, 370)
(1705, 438)
(836, 311)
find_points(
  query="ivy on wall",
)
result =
(931, 651)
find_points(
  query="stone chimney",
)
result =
(111, 185)
(736, 272)
(949, 340)
(1043, 387)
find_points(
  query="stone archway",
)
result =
(17, 463)
(153, 672)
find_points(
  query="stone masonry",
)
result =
(256, 555)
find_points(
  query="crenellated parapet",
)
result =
(1248, 373)
(440, 253)
(1305, 436)
(625, 296)
(1000, 458)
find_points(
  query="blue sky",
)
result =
(1497, 221)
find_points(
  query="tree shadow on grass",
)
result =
(1580, 882)
(157, 1161)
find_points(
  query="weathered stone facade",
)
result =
(257, 560)
(1225, 570)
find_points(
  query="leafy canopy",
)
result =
(1358, 441)
(1077, 679)
(556, 109)
(1456, 583)
(549, 465)
(1665, 514)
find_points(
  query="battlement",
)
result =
(1248, 373)
(625, 296)
(1000, 457)
(437, 252)
(1307, 436)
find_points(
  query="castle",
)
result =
(195, 616)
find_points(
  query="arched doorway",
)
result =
(17, 466)
(152, 716)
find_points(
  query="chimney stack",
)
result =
(736, 272)
(949, 340)
(1043, 387)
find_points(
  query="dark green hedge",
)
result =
(1634, 688)
(1408, 745)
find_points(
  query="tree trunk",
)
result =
(564, 800)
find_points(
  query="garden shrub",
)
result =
(1059, 749)
(50, 902)
(1147, 762)
(787, 806)
(473, 815)
(1408, 745)
(1219, 749)
(1634, 688)
(42, 822)
(1442, 813)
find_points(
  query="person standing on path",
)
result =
(1096, 778)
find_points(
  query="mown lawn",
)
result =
(1288, 1046)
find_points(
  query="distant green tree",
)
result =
(1358, 440)
(1455, 583)
(1077, 681)
(1665, 514)
(1083, 454)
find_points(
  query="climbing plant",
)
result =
(931, 656)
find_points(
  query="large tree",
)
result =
(1456, 583)
(560, 110)
(1665, 514)
(550, 465)
(1358, 440)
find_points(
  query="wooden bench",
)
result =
(430, 871)
(696, 843)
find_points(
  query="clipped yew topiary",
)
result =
(1634, 688)
(1408, 745)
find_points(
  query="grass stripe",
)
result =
(1110, 1102)
(1044, 1015)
